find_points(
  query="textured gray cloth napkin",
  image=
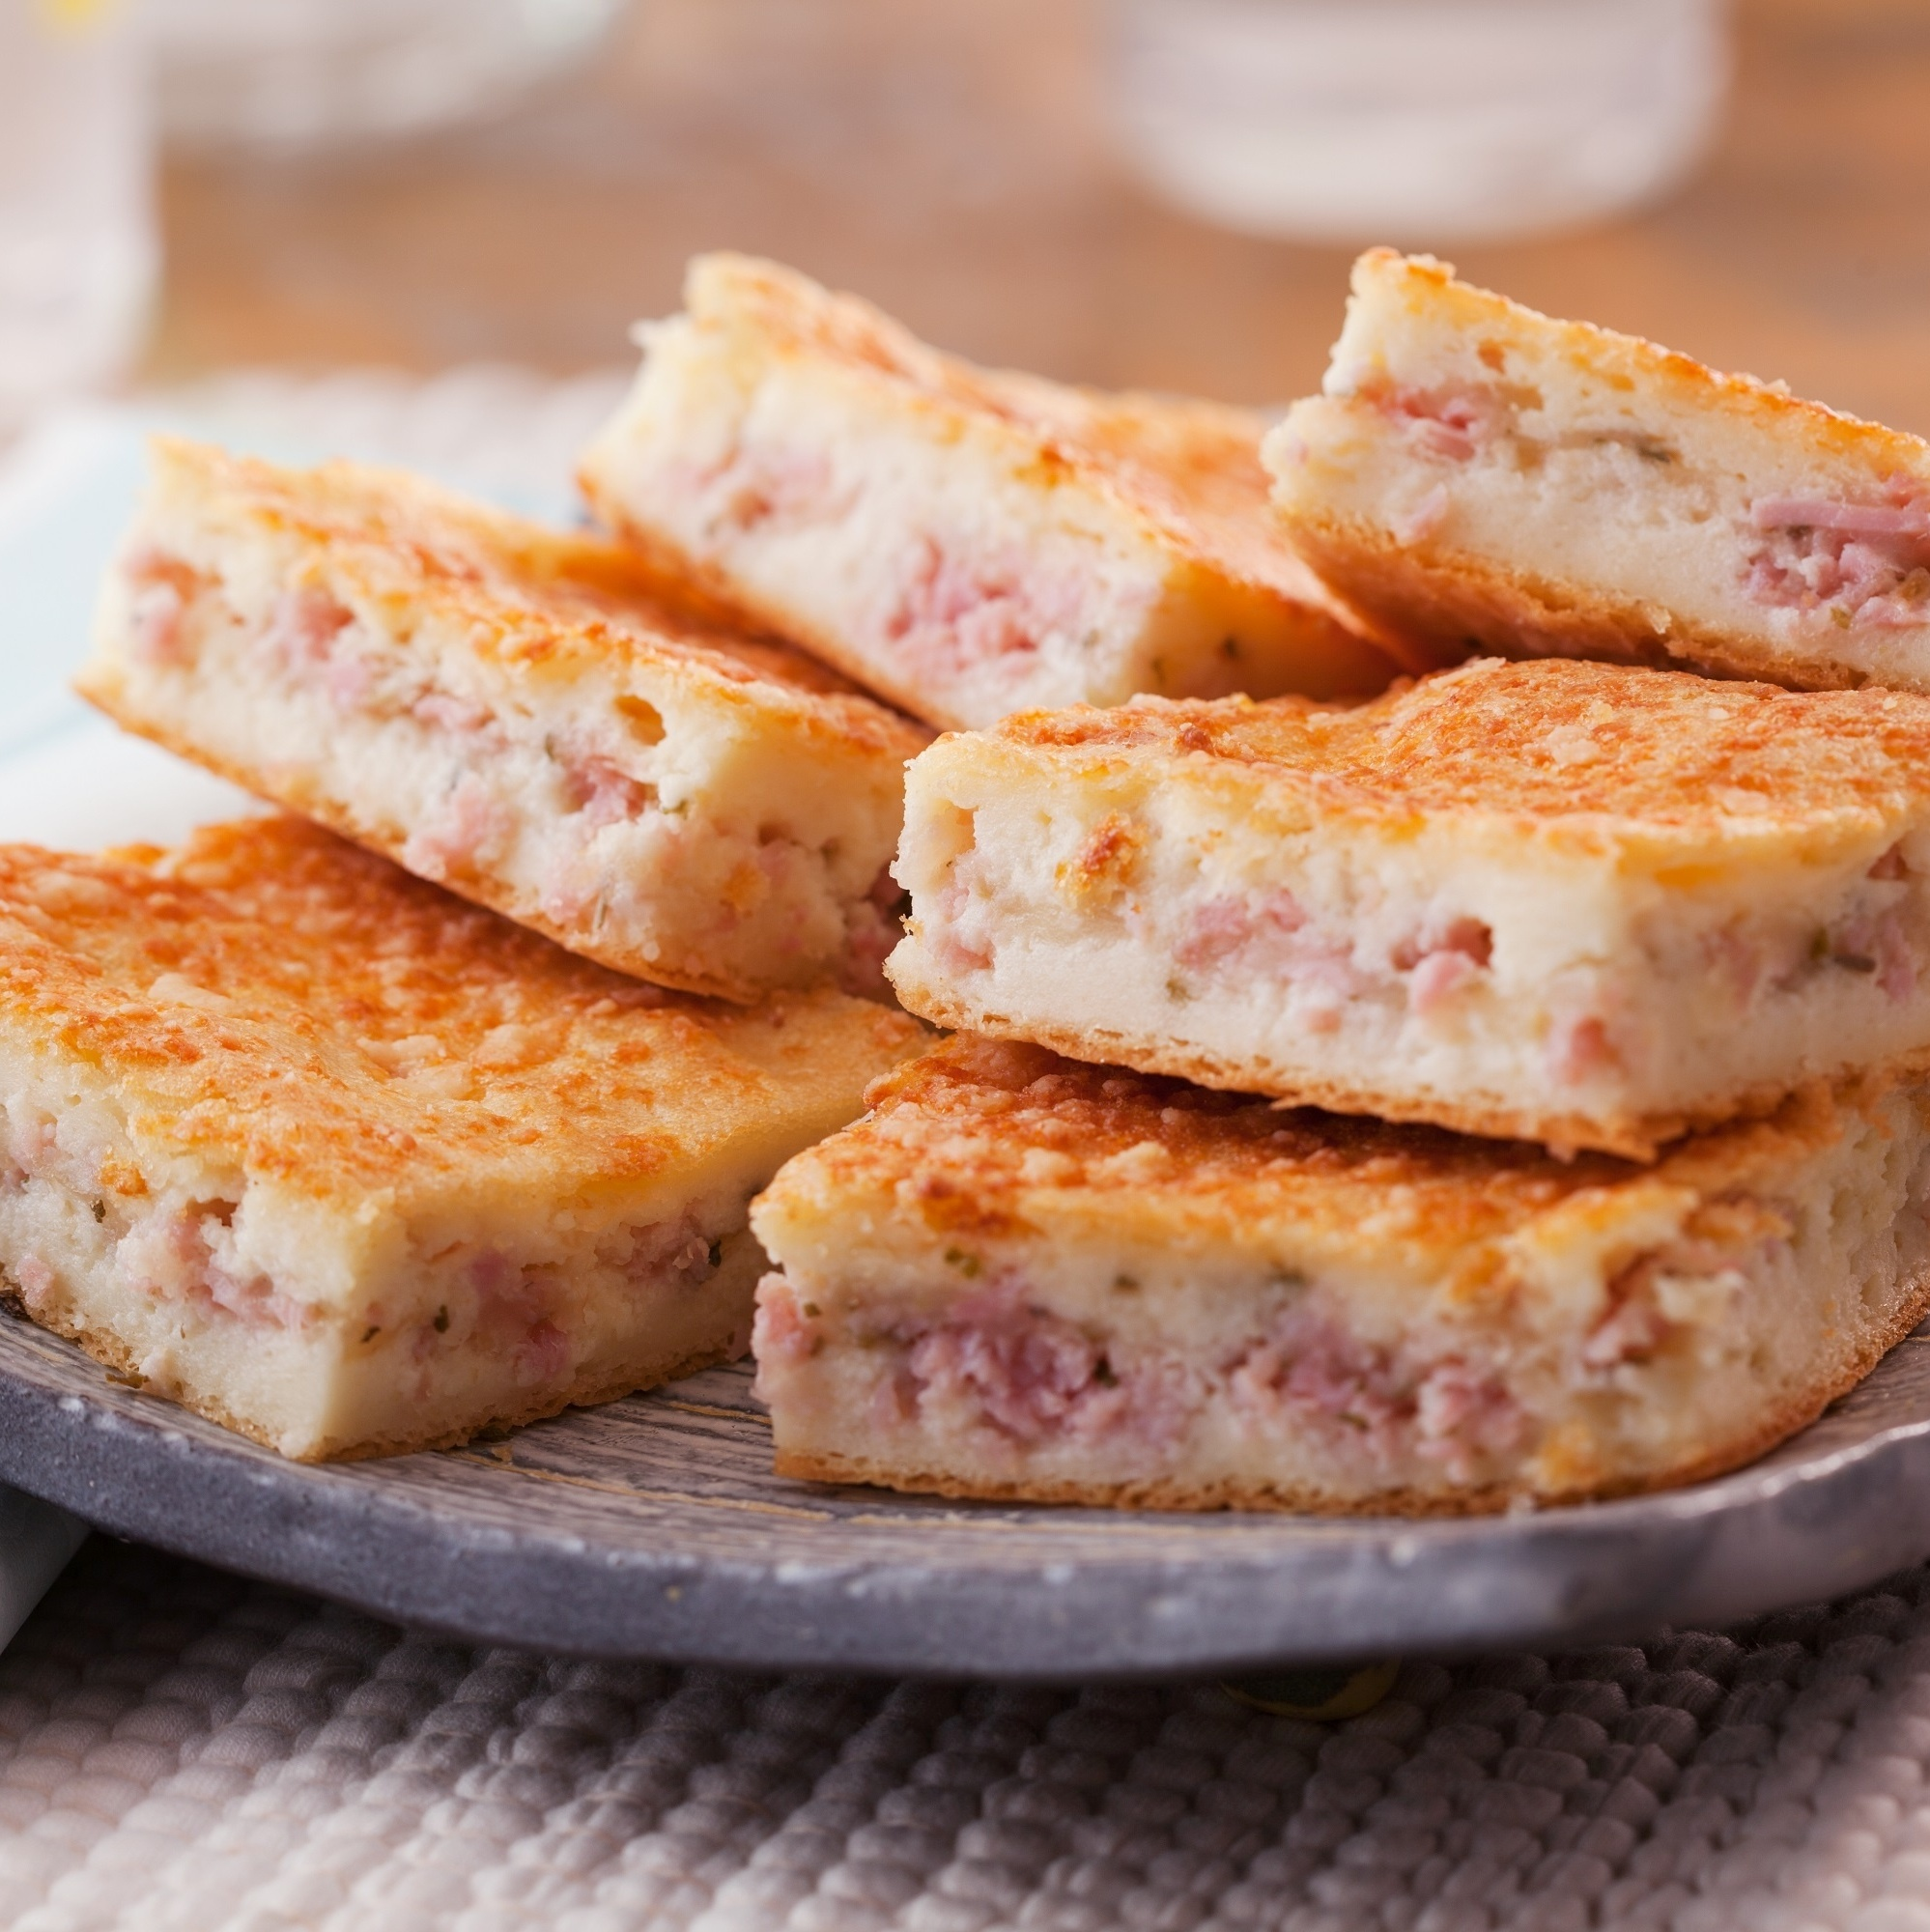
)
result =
(182, 1751)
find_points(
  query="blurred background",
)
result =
(1161, 192)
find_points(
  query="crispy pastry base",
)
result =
(1455, 603)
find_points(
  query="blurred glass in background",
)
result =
(296, 73)
(78, 253)
(1419, 122)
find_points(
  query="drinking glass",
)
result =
(1416, 121)
(79, 248)
(305, 74)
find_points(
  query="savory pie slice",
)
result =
(539, 722)
(966, 542)
(354, 1167)
(1480, 477)
(1019, 1276)
(1580, 903)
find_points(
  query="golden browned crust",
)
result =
(1451, 602)
(1674, 751)
(1186, 470)
(1678, 757)
(538, 601)
(276, 996)
(962, 1118)
(113, 1355)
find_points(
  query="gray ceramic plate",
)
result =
(653, 1527)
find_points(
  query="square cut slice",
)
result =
(1480, 477)
(540, 721)
(1579, 903)
(1019, 1276)
(338, 1160)
(966, 542)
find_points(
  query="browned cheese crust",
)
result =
(249, 996)
(1681, 756)
(964, 1117)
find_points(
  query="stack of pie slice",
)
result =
(1508, 1088)
(1430, 1030)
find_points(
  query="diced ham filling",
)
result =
(189, 1257)
(1437, 978)
(458, 717)
(468, 825)
(1310, 1373)
(781, 1330)
(952, 614)
(161, 586)
(1873, 937)
(1635, 1326)
(32, 1150)
(1035, 1379)
(1450, 421)
(873, 927)
(601, 790)
(960, 935)
(306, 639)
(1441, 964)
(1868, 564)
(1027, 1375)
(1030, 1375)
(514, 1307)
(761, 488)
(35, 1280)
(654, 1253)
(1873, 941)
(1580, 1047)
(1270, 934)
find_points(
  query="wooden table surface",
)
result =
(951, 161)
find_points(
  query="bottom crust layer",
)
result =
(1459, 603)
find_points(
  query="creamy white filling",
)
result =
(192, 1283)
(1407, 969)
(595, 823)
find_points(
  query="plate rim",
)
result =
(1310, 1591)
